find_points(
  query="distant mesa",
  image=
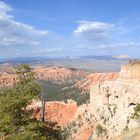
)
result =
(121, 56)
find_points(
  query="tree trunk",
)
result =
(43, 108)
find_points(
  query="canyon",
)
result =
(112, 100)
(113, 97)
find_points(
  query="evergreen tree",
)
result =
(16, 120)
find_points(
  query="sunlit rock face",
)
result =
(131, 71)
(113, 102)
(58, 112)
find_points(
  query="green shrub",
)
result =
(100, 130)
(136, 114)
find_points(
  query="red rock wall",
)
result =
(59, 112)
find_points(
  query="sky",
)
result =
(61, 28)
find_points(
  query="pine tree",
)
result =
(16, 120)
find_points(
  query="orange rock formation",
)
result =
(55, 73)
(59, 112)
(95, 78)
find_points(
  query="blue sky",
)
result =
(57, 28)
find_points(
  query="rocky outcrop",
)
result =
(130, 71)
(113, 102)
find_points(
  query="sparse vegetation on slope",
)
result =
(63, 91)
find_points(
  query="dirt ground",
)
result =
(132, 135)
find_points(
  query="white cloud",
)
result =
(92, 25)
(93, 30)
(4, 7)
(16, 33)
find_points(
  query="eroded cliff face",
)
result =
(113, 102)
(59, 112)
